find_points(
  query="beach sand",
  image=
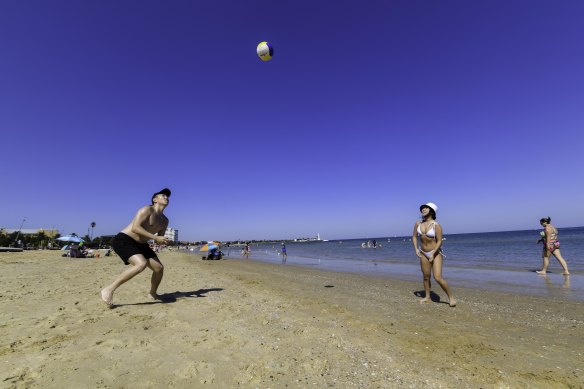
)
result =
(240, 323)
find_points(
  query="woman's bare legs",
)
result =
(437, 270)
(426, 272)
(546, 262)
(561, 260)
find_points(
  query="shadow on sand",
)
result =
(433, 296)
(168, 298)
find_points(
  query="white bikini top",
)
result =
(431, 233)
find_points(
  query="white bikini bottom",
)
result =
(429, 256)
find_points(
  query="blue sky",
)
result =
(366, 111)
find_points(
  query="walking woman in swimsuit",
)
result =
(551, 246)
(430, 253)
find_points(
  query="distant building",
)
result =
(171, 234)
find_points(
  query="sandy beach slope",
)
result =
(245, 324)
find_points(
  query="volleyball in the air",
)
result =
(265, 51)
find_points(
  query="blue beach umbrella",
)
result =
(209, 246)
(71, 238)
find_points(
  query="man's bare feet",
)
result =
(566, 273)
(107, 298)
(160, 297)
(542, 272)
(424, 300)
(452, 302)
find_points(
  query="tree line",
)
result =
(42, 241)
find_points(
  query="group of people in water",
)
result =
(149, 223)
(370, 244)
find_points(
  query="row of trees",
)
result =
(42, 241)
(26, 241)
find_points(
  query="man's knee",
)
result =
(156, 266)
(140, 266)
(139, 263)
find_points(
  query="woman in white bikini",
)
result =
(551, 246)
(430, 253)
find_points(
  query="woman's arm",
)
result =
(438, 229)
(548, 234)
(415, 239)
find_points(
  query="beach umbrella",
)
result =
(209, 246)
(71, 238)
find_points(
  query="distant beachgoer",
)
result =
(76, 251)
(430, 254)
(284, 254)
(131, 244)
(246, 250)
(551, 246)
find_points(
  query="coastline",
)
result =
(522, 281)
(246, 323)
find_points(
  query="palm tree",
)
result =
(92, 227)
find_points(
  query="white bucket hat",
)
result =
(432, 206)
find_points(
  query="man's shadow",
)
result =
(172, 297)
(433, 296)
(168, 298)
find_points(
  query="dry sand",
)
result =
(240, 323)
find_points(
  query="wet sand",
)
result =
(248, 324)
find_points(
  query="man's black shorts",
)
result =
(125, 246)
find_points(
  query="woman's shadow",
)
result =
(433, 296)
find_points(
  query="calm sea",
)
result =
(502, 261)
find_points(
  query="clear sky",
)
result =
(367, 110)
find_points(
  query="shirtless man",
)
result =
(131, 244)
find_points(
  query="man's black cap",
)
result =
(165, 191)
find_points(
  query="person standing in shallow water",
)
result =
(131, 244)
(551, 246)
(284, 253)
(430, 252)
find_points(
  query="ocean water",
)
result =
(502, 261)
